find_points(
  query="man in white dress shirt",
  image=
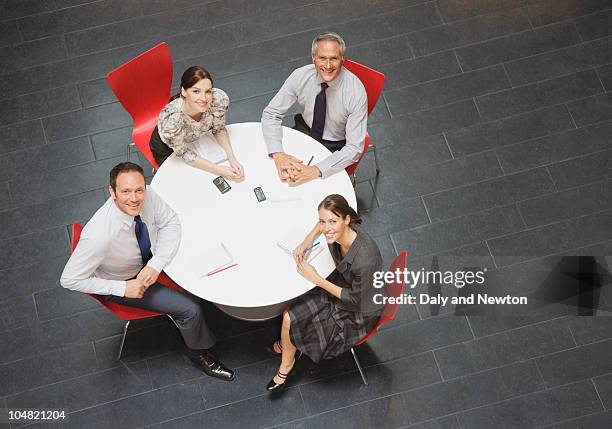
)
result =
(334, 111)
(121, 252)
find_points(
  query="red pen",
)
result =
(222, 269)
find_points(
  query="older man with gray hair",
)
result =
(334, 111)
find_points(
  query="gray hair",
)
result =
(331, 37)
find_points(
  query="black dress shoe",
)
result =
(212, 366)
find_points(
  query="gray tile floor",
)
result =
(494, 140)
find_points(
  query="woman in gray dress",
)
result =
(340, 310)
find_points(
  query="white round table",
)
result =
(265, 279)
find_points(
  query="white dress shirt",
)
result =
(108, 254)
(346, 115)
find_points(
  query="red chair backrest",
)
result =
(76, 236)
(372, 80)
(393, 290)
(351, 168)
(142, 86)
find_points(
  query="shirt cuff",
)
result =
(274, 147)
(324, 168)
(117, 287)
(157, 264)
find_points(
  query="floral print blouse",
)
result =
(179, 130)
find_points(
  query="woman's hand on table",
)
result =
(229, 173)
(236, 167)
(308, 272)
(302, 251)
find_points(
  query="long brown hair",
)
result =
(338, 205)
(191, 76)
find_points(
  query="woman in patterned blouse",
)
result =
(196, 110)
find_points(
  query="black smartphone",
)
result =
(222, 184)
(259, 194)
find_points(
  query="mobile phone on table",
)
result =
(259, 194)
(222, 184)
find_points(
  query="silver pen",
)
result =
(227, 251)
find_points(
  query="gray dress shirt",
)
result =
(108, 254)
(355, 273)
(346, 115)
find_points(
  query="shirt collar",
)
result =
(123, 217)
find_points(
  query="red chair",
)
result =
(373, 81)
(351, 168)
(393, 290)
(142, 86)
(123, 312)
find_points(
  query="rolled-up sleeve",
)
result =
(356, 128)
(272, 115)
(78, 274)
(168, 233)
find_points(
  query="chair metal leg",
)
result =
(173, 321)
(375, 158)
(129, 150)
(359, 367)
(125, 329)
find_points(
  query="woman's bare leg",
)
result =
(288, 355)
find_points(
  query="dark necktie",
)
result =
(318, 119)
(142, 235)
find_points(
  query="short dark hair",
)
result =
(123, 167)
(338, 205)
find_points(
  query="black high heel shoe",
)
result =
(274, 386)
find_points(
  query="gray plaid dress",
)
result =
(323, 326)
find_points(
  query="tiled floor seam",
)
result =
(290, 34)
(40, 202)
(541, 81)
(573, 18)
(555, 133)
(148, 15)
(494, 119)
(559, 253)
(552, 425)
(486, 242)
(221, 76)
(520, 396)
(428, 385)
(503, 235)
(525, 13)
(517, 397)
(305, 58)
(321, 28)
(598, 394)
(550, 51)
(518, 201)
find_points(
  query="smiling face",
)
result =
(332, 225)
(328, 60)
(129, 192)
(198, 97)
